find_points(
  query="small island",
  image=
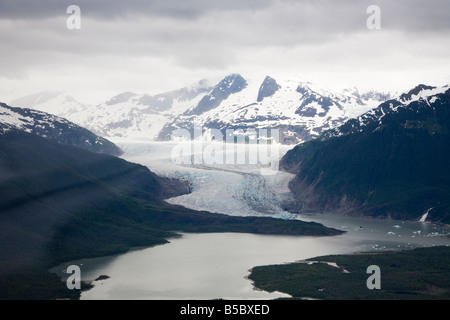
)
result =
(102, 277)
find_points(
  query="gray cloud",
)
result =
(110, 9)
(400, 14)
(209, 36)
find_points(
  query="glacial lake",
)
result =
(211, 266)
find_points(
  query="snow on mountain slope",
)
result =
(298, 109)
(124, 115)
(425, 95)
(53, 128)
(28, 120)
(56, 103)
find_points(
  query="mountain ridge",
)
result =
(299, 109)
(390, 162)
(53, 128)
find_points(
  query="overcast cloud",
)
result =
(152, 46)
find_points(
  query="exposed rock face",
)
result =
(267, 89)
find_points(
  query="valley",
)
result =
(87, 205)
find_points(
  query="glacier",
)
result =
(232, 189)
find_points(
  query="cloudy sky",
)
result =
(149, 46)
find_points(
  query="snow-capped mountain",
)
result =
(298, 109)
(139, 115)
(127, 114)
(53, 102)
(53, 128)
(424, 95)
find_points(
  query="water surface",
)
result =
(209, 266)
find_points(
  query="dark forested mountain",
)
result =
(392, 161)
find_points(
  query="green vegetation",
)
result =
(394, 168)
(36, 283)
(420, 274)
(61, 203)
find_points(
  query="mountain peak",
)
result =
(53, 128)
(422, 97)
(302, 110)
(417, 91)
(121, 97)
(36, 98)
(231, 84)
(268, 88)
